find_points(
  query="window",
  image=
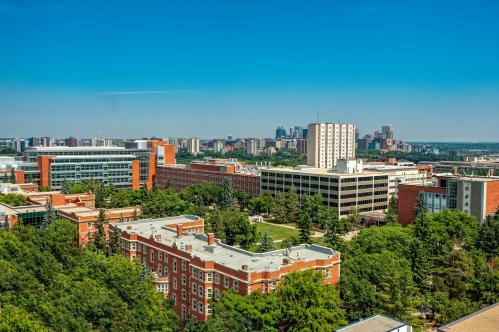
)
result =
(152, 256)
(184, 265)
(174, 282)
(160, 256)
(209, 276)
(166, 258)
(174, 297)
(217, 278)
(174, 265)
(209, 292)
(200, 291)
(193, 272)
(217, 294)
(144, 249)
(184, 279)
(208, 308)
(160, 270)
(194, 288)
(200, 274)
(184, 312)
(200, 308)
(235, 284)
(184, 294)
(194, 304)
(226, 282)
(139, 246)
(166, 271)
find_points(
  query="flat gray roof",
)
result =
(376, 323)
(229, 256)
(318, 171)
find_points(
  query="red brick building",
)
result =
(477, 196)
(407, 199)
(193, 268)
(214, 170)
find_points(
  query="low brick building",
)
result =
(181, 176)
(192, 267)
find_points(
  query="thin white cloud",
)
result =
(141, 92)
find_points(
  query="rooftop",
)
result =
(376, 323)
(484, 320)
(75, 148)
(315, 171)
(229, 256)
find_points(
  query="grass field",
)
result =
(275, 231)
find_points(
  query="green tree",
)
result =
(242, 198)
(49, 284)
(334, 227)
(13, 199)
(114, 242)
(420, 207)
(227, 198)
(307, 305)
(266, 243)
(301, 303)
(50, 216)
(12, 176)
(100, 235)
(232, 227)
(65, 187)
(279, 213)
(488, 236)
(379, 282)
(305, 226)
(261, 204)
(391, 214)
(292, 206)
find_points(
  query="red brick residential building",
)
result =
(182, 176)
(192, 267)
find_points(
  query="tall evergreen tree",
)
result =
(114, 242)
(12, 176)
(279, 213)
(292, 205)
(100, 234)
(391, 214)
(266, 243)
(334, 227)
(420, 207)
(144, 273)
(227, 200)
(65, 187)
(305, 226)
(50, 216)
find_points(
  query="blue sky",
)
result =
(213, 68)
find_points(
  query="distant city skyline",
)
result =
(213, 69)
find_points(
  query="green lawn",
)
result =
(275, 231)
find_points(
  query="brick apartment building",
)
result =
(182, 176)
(192, 267)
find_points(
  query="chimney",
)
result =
(180, 230)
(129, 227)
(211, 239)
(285, 261)
(157, 237)
(188, 247)
(244, 267)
